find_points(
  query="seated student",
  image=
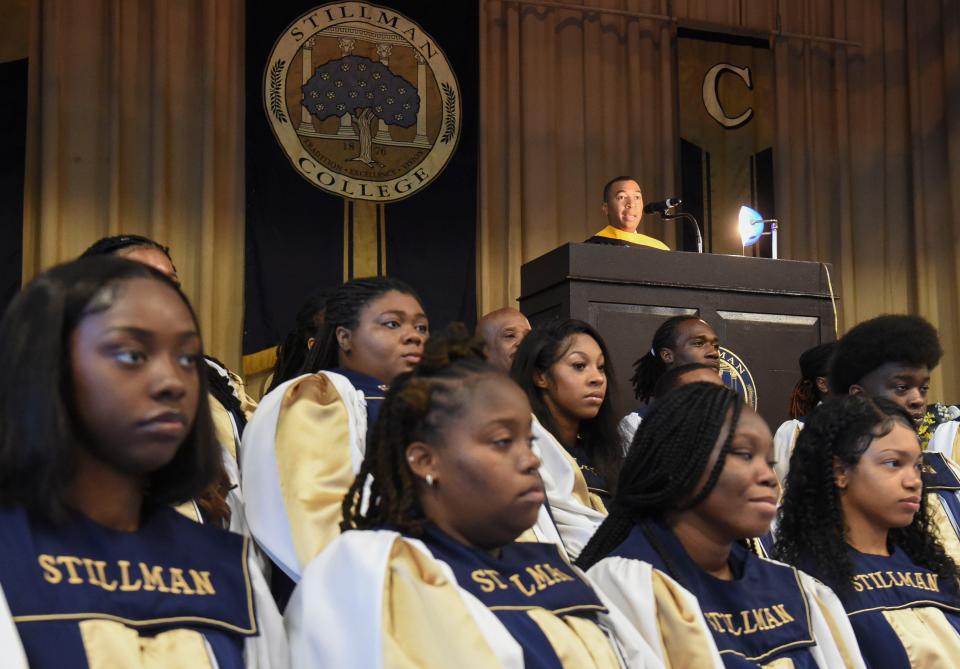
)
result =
(105, 424)
(502, 330)
(292, 353)
(854, 515)
(680, 340)
(427, 572)
(697, 482)
(230, 404)
(563, 366)
(810, 390)
(622, 208)
(891, 357)
(304, 444)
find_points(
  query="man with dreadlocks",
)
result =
(697, 482)
(854, 515)
(680, 340)
(428, 572)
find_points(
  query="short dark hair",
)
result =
(811, 526)
(39, 432)
(418, 405)
(671, 378)
(109, 246)
(649, 367)
(538, 351)
(607, 186)
(897, 338)
(670, 453)
(343, 310)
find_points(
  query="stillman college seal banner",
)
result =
(363, 101)
(361, 155)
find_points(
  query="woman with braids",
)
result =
(563, 367)
(698, 482)
(230, 405)
(428, 572)
(810, 390)
(305, 443)
(854, 515)
(292, 353)
(104, 425)
(680, 340)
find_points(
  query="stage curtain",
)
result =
(867, 151)
(136, 126)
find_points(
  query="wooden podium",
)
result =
(766, 312)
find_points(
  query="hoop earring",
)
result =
(429, 478)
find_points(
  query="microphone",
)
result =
(661, 206)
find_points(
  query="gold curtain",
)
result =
(867, 151)
(135, 125)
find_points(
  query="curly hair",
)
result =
(897, 338)
(814, 362)
(539, 350)
(811, 528)
(343, 309)
(667, 459)
(649, 367)
(418, 405)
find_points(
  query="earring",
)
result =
(429, 478)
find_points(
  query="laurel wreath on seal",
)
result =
(449, 109)
(276, 108)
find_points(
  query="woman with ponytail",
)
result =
(697, 484)
(292, 353)
(305, 443)
(680, 340)
(428, 572)
(810, 390)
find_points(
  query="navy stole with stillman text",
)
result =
(525, 577)
(760, 616)
(170, 574)
(892, 583)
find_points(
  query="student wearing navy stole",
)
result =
(854, 515)
(698, 482)
(104, 424)
(428, 572)
(305, 443)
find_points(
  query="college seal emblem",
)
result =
(363, 101)
(736, 376)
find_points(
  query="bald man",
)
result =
(502, 331)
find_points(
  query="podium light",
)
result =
(752, 225)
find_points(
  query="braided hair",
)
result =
(810, 527)
(343, 310)
(649, 367)
(539, 350)
(814, 362)
(292, 353)
(417, 406)
(667, 459)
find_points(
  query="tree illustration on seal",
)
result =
(365, 89)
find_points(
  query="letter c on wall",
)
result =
(711, 97)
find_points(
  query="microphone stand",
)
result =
(689, 217)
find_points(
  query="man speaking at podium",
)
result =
(623, 207)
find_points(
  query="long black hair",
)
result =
(810, 529)
(418, 405)
(537, 353)
(39, 429)
(649, 367)
(667, 459)
(292, 353)
(343, 310)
